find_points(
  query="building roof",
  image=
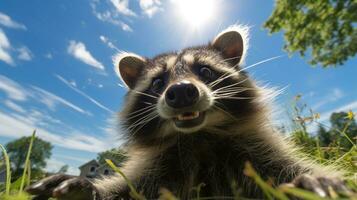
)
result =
(92, 162)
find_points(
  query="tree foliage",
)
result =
(17, 151)
(115, 155)
(325, 28)
(63, 169)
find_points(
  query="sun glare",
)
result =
(196, 12)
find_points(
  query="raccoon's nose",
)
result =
(182, 94)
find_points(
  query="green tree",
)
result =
(339, 123)
(17, 151)
(326, 28)
(324, 136)
(116, 155)
(63, 169)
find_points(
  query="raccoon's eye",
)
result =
(157, 85)
(206, 73)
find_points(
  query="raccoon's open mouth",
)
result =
(189, 119)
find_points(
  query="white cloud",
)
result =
(51, 100)
(126, 27)
(24, 54)
(73, 158)
(79, 51)
(16, 92)
(14, 126)
(83, 94)
(150, 7)
(12, 89)
(5, 47)
(350, 106)
(110, 17)
(49, 56)
(6, 21)
(54, 165)
(14, 106)
(106, 41)
(334, 95)
(122, 6)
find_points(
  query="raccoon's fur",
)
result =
(195, 116)
(236, 128)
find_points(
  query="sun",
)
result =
(196, 13)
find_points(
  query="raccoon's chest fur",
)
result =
(202, 158)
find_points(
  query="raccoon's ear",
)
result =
(232, 43)
(129, 67)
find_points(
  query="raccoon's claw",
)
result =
(63, 187)
(322, 186)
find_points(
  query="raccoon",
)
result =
(196, 117)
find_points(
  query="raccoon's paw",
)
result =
(63, 187)
(322, 186)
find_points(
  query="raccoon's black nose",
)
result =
(182, 94)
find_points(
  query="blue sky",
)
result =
(56, 72)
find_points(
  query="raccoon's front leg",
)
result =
(63, 187)
(322, 186)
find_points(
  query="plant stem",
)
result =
(27, 161)
(8, 170)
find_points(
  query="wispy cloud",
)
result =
(5, 48)
(332, 96)
(51, 100)
(80, 52)
(350, 106)
(12, 89)
(111, 17)
(73, 87)
(54, 165)
(122, 6)
(48, 55)
(14, 106)
(15, 91)
(24, 54)
(13, 126)
(106, 41)
(150, 7)
(6, 21)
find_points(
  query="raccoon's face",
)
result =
(185, 92)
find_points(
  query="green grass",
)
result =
(14, 191)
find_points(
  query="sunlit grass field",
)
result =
(332, 155)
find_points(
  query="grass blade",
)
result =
(133, 191)
(8, 170)
(27, 161)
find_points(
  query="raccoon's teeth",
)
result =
(188, 116)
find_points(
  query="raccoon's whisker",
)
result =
(142, 120)
(141, 109)
(231, 58)
(224, 111)
(245, 68)
(240, 89)
(143, 93)
(231, 85)
(148, 103)
(142, 113)
(233, 90)
(232, 93)
(232, 97)
(260, 62)
(221, 78)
